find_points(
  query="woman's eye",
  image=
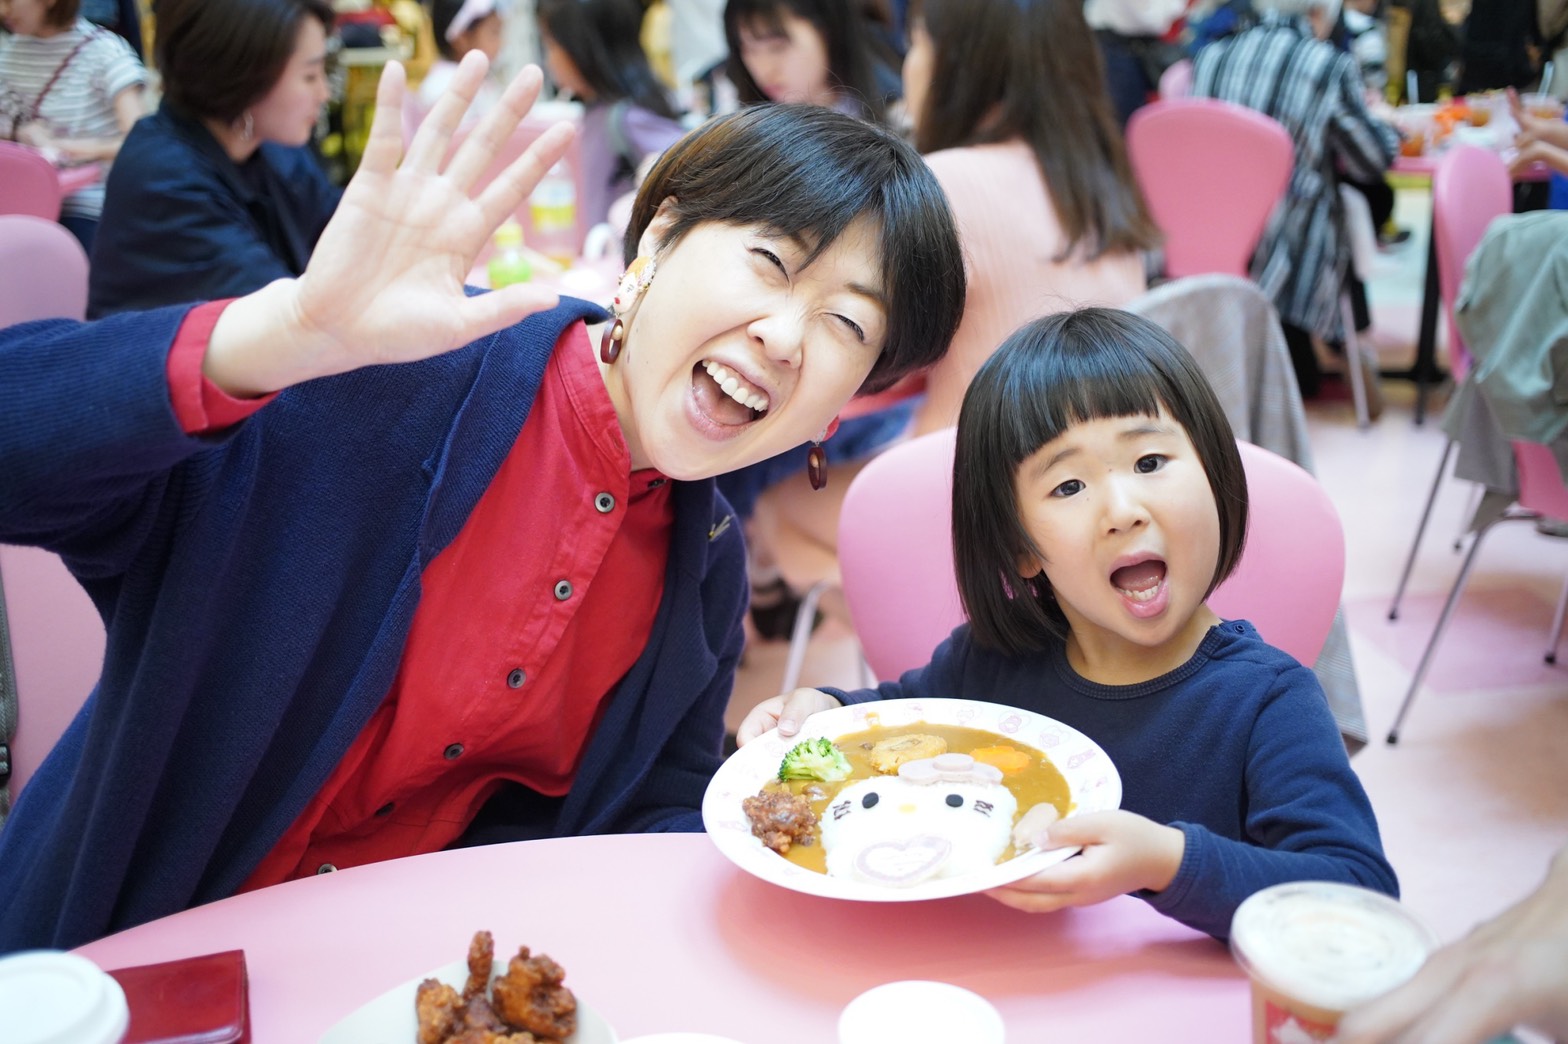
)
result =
(772, 258)
(1150, 463)
(1069, 488)
(853, 327)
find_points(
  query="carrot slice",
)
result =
(1008, 759)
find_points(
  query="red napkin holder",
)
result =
(195, 1000)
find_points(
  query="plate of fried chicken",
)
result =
(480, 1000)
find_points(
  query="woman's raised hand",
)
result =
(385, 282)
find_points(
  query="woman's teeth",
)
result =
(731, 384)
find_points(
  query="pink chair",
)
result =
(1176, 80)
(28, 182)
(896, 555)
(1542, 494)
(1470, 188)
(43, 271)
(1212, 173)
(56, 644)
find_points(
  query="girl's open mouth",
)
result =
(1142, 586)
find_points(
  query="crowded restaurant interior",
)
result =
(1019, 486)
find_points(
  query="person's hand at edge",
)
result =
(1121, 852)
(1539, 152)
(385, 282)
(786, 712)
(1509, 971)
(1533, 128)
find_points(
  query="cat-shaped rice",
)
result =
(939, 817)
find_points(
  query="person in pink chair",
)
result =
(388, 567)
(71, 90)
(1099, 499)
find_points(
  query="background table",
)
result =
(661, 933)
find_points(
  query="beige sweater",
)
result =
(1011, 239)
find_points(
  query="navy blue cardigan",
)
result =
(258, 587)
(183, 222)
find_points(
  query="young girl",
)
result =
(592, 53)
(818, 52)
(1098, 500)
(460, 26)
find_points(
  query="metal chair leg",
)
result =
(1448, 611)
(800, 637)
(1557, 624)
(1358, 381)
(1426, 516)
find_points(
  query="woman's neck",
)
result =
(46, 31)
(236, 143)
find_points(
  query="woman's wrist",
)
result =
(261, 344)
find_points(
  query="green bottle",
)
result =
(508, 264)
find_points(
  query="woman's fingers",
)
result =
(484, 314)
(490, 133)
(384, 147)
(502, 196)
(427, 152)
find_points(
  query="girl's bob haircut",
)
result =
(1052, 373)
(807, 172)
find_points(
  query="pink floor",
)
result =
(1474, 799)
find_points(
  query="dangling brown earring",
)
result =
(633, 282)
(817, 457)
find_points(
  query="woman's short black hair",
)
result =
(810, 172)
(844, 35)
(1050, 374)
(602, 37)
(220, 57)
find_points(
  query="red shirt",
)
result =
(500, 680)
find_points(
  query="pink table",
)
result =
(660, 932)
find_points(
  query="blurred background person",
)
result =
(1136, 42)
(217, 194)
(70, 89)
(818, 52)
(592, 53)
(1285, 68)
(460, 26)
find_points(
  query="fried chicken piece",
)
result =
(886, 755)
(440, 1011)
(780, 819)
(481, 960)
(479, 1036)
(530, 996)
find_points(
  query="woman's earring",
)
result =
(817, 462)
(635, 280)
(248, 127)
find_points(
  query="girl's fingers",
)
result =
(490, 134)
(428, 149)
(385, 144)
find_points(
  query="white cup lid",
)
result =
(916, 1011)
(49, 997)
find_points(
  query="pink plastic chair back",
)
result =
(43, 271)
(896, 556)
(1292, 570)
(28, 182)
(1176, 80)
(1541, 487)
(895, 553)
(1212, 172)
(1470, 188)
(57, 643)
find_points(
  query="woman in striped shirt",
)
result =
(69, 89)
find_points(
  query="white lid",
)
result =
(48, 997)
(1328, 945)
(915, 1011)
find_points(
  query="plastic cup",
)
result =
(49, 997)
(915, 1011)
(1316, 949)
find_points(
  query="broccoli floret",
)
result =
(815, 759)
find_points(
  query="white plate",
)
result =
(390, 1018)
(1092, 781)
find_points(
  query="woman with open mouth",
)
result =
(388, 566)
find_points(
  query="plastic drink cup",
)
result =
(915, 1011)
(49, 997)
(1316, 949)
